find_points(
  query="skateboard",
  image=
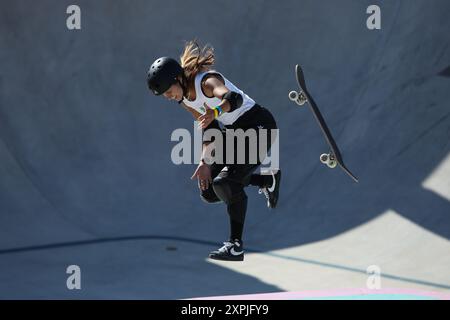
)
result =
(334, 157)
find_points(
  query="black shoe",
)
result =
(230, 251)
(271, 192)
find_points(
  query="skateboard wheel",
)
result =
(293, 96)
(324, 158)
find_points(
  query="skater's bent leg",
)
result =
(232, 193)
(261, 180)
(237, 211)
(209, 196)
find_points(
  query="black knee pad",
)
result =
(209, 196)
(228, 190)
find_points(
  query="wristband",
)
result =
(217, 111)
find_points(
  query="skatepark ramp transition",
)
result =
(86, 177)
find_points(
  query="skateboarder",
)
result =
(212, 98)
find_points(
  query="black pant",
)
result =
(229, 180)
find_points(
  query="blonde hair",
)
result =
(196, 59)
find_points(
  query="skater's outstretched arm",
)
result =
(203, 171)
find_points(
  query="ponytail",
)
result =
(196, 59)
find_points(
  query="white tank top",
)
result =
(226, 118)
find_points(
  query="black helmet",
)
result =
(162, 74)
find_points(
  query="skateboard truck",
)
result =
(298, 98)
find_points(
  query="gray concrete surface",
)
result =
(85, 170)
